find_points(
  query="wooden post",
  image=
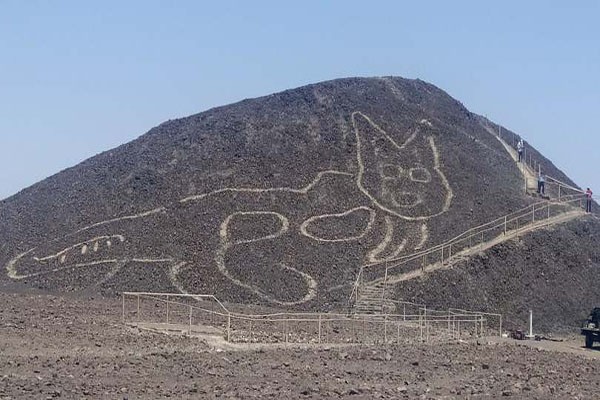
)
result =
(559, 192)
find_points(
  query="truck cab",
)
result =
(591, 328)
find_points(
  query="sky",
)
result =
(78, 78)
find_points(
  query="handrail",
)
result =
(476, 233)
(566, 199)
(469, 234)
(159, 294)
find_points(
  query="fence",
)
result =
(513, 224)
(201, 313)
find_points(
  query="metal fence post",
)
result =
(190, 322)
(229, 327)
(559, 192)
(385, 329)
(383, 288)
(167, 309)
(319, 328)
(481, 327)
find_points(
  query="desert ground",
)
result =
(55, 346)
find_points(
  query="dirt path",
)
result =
(54, 347)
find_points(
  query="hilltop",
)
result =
(280, 200)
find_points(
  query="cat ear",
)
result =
(401, 179)
(368, 132)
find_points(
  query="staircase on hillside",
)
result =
(372, 299)
(375, 295)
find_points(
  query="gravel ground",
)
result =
(76, 347)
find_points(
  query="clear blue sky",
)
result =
(79, 77)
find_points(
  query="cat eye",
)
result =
(419, 174)
(390, 171)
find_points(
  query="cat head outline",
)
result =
(405, 179)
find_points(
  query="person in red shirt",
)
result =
(588, 200)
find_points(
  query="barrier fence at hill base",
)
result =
(193, 314)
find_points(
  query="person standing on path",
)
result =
(541, 184)
(520, 147)
(588, 200)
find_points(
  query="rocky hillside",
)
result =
(281, 199)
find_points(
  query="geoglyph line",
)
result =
(226, 243)
(303, 190)
(82, 244)
(224, 233)
(304, 225)
(361, 171)
(372, 256)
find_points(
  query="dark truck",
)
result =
(591, 328)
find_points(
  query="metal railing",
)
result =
(171, 311)
(518, 222)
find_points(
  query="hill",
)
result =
(280, 200)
